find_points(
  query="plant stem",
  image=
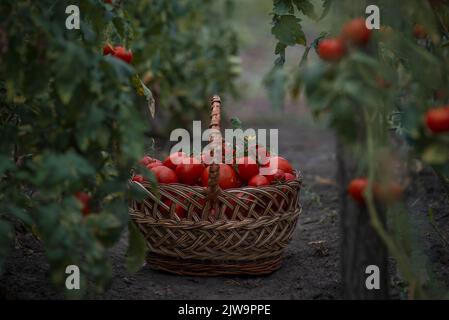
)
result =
(401, 259)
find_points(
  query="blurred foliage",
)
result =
(187, 51)
(288, 31)
(386, 86)
(73, 120)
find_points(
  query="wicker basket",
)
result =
(225, 232)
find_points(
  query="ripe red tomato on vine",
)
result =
(118, 52)
(332, 50)
(437, 119)
(357, 188)
(356, 32)
(84, 199)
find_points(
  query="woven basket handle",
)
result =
(216, 140)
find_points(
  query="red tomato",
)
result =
(155, 163)
(227, 177)
(258, 181)
(164, 174)
(289, 177)
(108, 49)
(331, 50)
(392, 192)
(437, 120)
(84, 198)
(123, 54)
(173, 160)
(138, 178)
(356, 32)
(419, 32)
(356, 189)
(189, 173)
(146, 160)
(283, 164)
(247, 168)
(278, 175)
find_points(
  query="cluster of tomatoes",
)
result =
(437, 118)
(354, 33)
(386, 194)
(190, 170)
(194, 171)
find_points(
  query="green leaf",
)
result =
(288, 30)
(306, 7)
(326, 8)
(236, 123)
(275, 83)
(136, 250)
(106, 227)
(150, 99)
(282, 7)
(119, 25)
(6, 163)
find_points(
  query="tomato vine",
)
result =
(73, 120)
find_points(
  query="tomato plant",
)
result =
(75, 107)
(391, 80)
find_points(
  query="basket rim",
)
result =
(298, 174)
(223, 224)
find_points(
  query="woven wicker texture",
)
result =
(208, 231)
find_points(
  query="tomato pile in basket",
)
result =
(243, 171)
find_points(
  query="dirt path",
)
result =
(310, 269)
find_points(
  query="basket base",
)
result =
(213, 268)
